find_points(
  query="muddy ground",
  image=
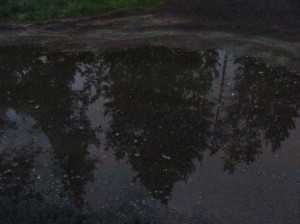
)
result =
(139, 27)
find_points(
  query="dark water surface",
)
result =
(148, 135)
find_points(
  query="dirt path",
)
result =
(124, 29)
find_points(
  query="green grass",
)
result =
(55, 9)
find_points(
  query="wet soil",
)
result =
(125, 28)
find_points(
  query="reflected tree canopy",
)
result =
(38, 85)
(161, 113)
(161, 106)
(262, 110)
(16, 191)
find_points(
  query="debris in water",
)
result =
(7, 171)
(43, 59)
(165, 157)
(137, 154)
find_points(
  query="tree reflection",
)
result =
(39, 85)
(263, 110)
(16, 163)
(161, 113)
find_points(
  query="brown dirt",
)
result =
(127, 28)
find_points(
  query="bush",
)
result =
(50, 9)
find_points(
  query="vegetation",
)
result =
(47, 10)
(219, 9)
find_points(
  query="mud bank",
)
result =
(141, 27)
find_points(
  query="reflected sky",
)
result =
(119, 131)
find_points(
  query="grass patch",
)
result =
(56, 9)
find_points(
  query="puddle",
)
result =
(148, 135)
